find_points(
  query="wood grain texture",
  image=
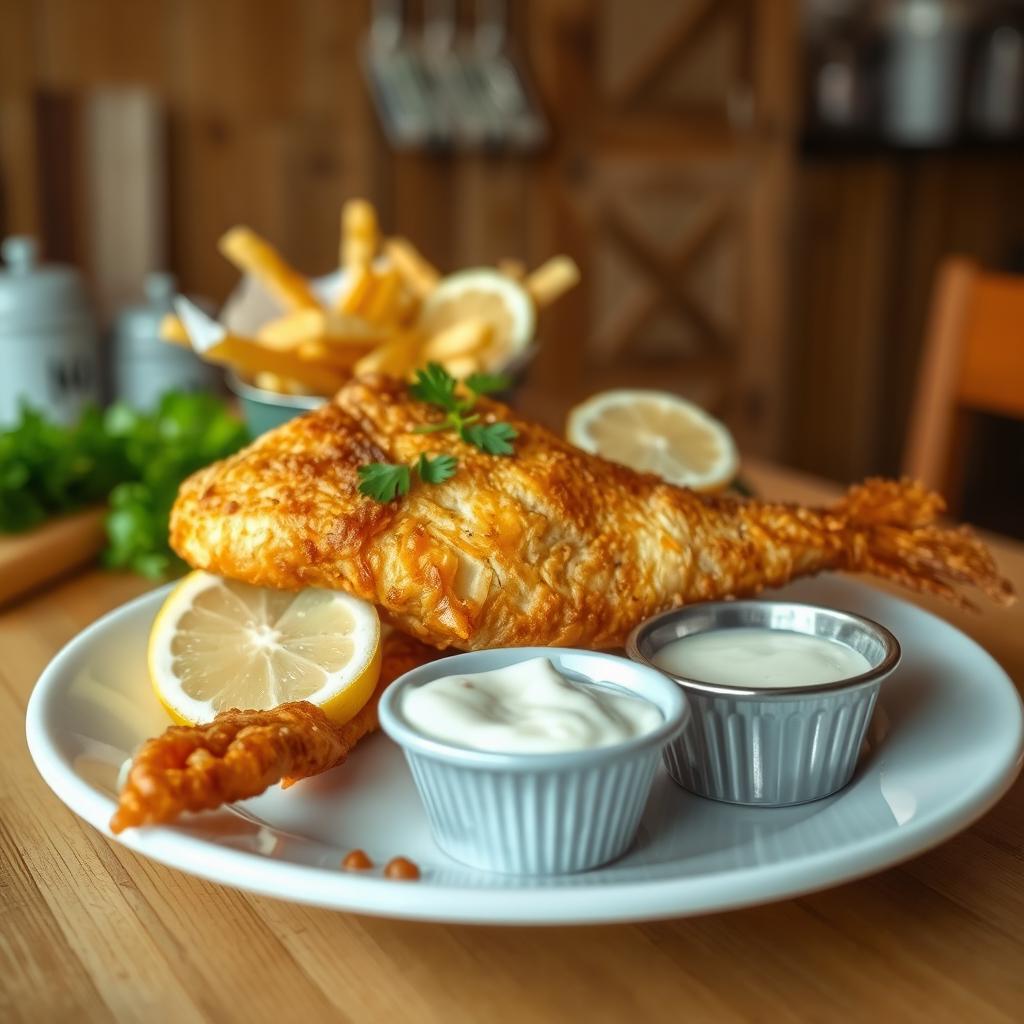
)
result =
(270, 123)
(31, 558)
(89, 931)
(870, 237)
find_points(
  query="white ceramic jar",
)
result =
(144, 367)
(48, 337)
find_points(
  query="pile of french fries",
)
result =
(383, 319)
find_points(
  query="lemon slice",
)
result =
(656, 432)
(489, 296)
(219, 644)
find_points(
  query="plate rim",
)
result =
(614, 902)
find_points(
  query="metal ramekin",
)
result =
(779, 746)
(537, 814)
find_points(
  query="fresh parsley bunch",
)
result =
(47, 469)
(134, 460)
(384, 481)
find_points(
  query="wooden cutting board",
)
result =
(29, 559)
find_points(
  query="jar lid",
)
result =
(34, 295)
(139, 326)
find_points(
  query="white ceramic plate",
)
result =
(946, 743)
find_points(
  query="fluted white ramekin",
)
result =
(779, 746)
(536, 814)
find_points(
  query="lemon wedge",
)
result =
(218, 644)
(487, 296)
(656, 432)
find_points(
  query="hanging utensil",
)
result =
(399, 82)
(501, 80)
(444, 56)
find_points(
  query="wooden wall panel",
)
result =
(270, 123)
(870, 237)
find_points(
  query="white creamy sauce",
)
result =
(755, 657)
(526, 709)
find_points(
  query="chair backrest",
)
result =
(973, 359)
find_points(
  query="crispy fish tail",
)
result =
(892, 531)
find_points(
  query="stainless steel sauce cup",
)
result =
(778, 746)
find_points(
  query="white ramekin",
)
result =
(770, 747)
(536, 814)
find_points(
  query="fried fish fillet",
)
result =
(242, 753)
(549, 546)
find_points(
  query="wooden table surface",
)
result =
(91, 932)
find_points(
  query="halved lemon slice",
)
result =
(656, 432)
(489, 296)
(219, 644)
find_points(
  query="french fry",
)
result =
(289, 331)
(254, 255)
(461, 338)
(395, 357)
(173, 330)
(354, 298)
(275, 382)
(270, 382)
(249, 358)
(419, 275)
(462, 367)
(359, 234)
(408, 308)
(352, 330)
(516, 269)
(382, 305)
(552, 279)
(340, 358)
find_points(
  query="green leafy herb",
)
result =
(437, 469)
(435, 386)
(384, 481)
(487, 383)
(493, 438)
(133, 460)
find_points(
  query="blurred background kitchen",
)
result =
(760, 194)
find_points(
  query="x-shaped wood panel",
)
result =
(672, 46)
(666, 275)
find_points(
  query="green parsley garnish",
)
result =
(487, 383)
(437, 469)
(437, 387)
(384, 481)
(493, 438)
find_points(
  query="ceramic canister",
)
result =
(144, 367)
(48, 337)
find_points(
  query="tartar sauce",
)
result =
(755, 657)
(526, 708)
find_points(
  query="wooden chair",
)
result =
(973, 361)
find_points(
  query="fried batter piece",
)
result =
(242, 753)
(551, 546)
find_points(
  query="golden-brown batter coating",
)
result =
(242, 753)
(551, 546)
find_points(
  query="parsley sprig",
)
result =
(385, 481)
(437, 387)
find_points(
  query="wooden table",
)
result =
(92, 932)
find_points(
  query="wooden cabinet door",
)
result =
(671, 187)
